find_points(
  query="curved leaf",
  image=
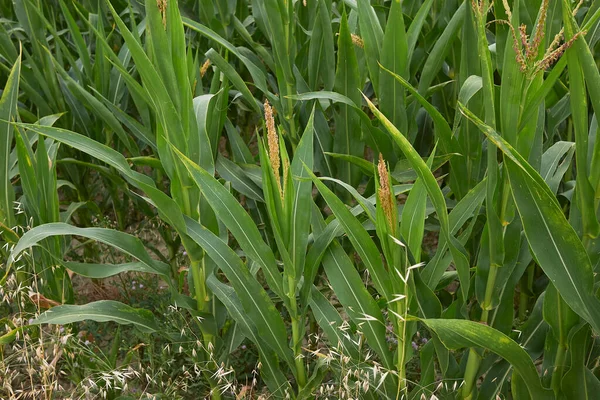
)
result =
(458, 333)
(122, 241)
(100, 311)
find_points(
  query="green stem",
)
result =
(526, 285)
(523, 302)
(290, 115)
(558, 367)
(401, 310)
(486, 306)
(199, 288)
(300, 372)
(471, 370)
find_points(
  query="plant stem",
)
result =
(558, 366)
(401, 310)
(290, 115)
(473, 363)
(526, 283)
(300, 372)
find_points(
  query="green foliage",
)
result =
(369, 199)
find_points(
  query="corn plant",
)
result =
(387, 199)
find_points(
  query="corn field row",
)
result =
(299, 199)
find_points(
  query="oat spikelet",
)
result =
(204, 68)
(385, 193)
(162, 7)
(357, 40)
(273, 142)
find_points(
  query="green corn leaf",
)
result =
(456, 334)
(82, 47)
(302, 200)
(321, 55)
(555, 162)
(579, 112)
(347, 137)
(394, 57)
(101, 271)
(440, 49)
(366, 204)
(166, 206)
(365, 166)
(122, 241)
(237, 220)
(254, 298)
(100, 311)
(8, 111)
(234, 77)
(201, 109)
(360, 306)
(232, 172)
(448, 142)
(332, 324)
(414, 30)
(326, 95)
(412, 221)
(554, 243)
(360, 239)
(579, 382)
(372, 35)
(271, 371)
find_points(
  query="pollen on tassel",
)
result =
(162, 7)
(273, 143)
(385, 193)
(357, 40)
(534, 46)
(204, 68)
